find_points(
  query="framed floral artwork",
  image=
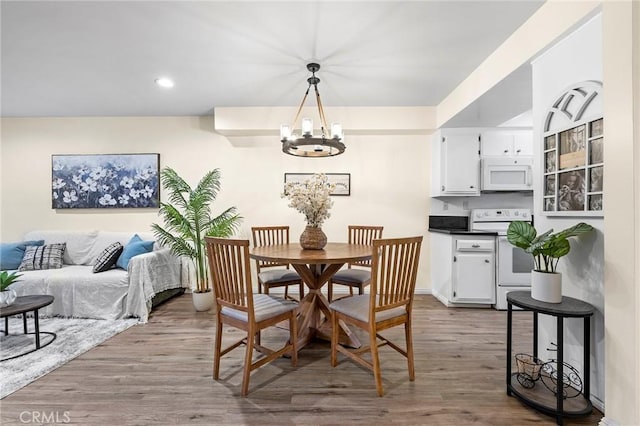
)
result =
(105, 181)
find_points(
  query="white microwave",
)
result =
(507, 173)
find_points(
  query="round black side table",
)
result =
(23, 305)
(541, 398)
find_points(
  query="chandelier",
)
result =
(306, 144)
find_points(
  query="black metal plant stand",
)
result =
(554, 398)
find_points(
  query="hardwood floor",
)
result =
(160, 373)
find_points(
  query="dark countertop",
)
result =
(462, 232)
(454, 225)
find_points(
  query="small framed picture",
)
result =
(596, 151)
(342, 181)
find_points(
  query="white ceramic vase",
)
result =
(7, 297)
(202, 302)
(546, 286)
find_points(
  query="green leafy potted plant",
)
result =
(546, 249)
(7, 295)
(188, 219)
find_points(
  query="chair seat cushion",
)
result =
(278, 276)
(356, 276)
(358, 307)
(265, 307)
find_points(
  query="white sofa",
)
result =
(113, 294)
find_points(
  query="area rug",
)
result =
(74, 337)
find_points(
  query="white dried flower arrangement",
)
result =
(311, 198)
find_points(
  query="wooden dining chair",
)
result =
(394, 268)
(360, 276)
(275, 274)
(237, 306)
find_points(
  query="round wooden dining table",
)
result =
(316, 267)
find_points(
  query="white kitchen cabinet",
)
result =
(463, 269)
(455, 163)
(506, 143)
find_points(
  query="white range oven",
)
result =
(513, 265)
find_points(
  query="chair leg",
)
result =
(361, 289)
(375, 361)
(301, 290)
(217, 349)
(330, 291)
(286, 292)
(350, 291)
(409, 336)
(259, 287)
(334, 338)
(247, 362)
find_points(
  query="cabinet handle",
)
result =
(471, 186)
(475, 245)
(486, 261)
(455, 259)
(517, 150)
(442, 187)
(506, 151)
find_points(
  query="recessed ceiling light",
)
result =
(164, 82)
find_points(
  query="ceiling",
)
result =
(100, 58)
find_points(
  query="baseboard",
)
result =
(598, 404)
(608, 422)
(343, 290)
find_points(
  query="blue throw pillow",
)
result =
(11, 254)
(134, 247)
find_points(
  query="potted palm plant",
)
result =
(546, 249)
(188, 219)
(7, 295)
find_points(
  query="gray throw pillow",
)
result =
(43, 257)
(107, 259)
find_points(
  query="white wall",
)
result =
(621, 63)
(389, 176)
(576, 58)
(462, 206)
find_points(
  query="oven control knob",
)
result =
(517, 213)
(525, 214)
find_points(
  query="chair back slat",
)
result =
(268, 236)
(393, 272)
(231, 273)
(363, 234)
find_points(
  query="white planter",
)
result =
(202, 301)
(546, 286)
(7, 297)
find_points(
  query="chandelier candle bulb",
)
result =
(307, 127)
(336, 131)
(285, 132)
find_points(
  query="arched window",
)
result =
(573, 157)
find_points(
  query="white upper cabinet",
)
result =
(455, 162)
(506, 143)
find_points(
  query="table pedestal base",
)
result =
(315, 317)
